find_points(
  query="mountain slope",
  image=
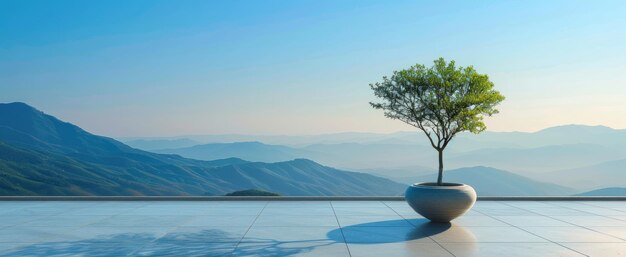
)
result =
(41, 155)
(540, 159)
(609, 191)
(150, 145)
(606, 174)
(493, 182)
(303, 177)
(251, 151)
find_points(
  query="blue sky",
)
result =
(162, 68)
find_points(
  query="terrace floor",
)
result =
(309, 228)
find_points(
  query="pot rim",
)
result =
(433, 185)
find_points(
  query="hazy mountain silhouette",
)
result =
(344, 155)
(540, 159)
(607, 174)
(609, 191)
(156, 144)
(251, 151)
(41, 155)
(556, 148)
(494, 182)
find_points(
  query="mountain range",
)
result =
(41, 155)
(493, 182)
(575, 156)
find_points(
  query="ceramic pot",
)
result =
(440, 203)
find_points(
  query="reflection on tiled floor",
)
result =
(312, 228)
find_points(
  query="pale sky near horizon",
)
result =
(165, 68)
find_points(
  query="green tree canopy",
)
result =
(441, 101)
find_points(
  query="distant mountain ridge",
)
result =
(493, 182)
(41, 155)
(602, 175)
(609, 191)
(530, 154)
(252, 151)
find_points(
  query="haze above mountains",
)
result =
(41, 155)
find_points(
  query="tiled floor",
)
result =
(313, 228)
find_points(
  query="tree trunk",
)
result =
(440, 177)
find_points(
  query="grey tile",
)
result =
(7, 248)
(244, 204)
(478, 221)
(505, 211)
(111, 235)
(291, 234)
(225, 211)
(607, 204)
(307, 229)
(591, 221)
(528, 204)
(75, 248)
(383, 211)
(382, 235)
(22, 234)
(560, 211)
(172, 248)
(599, 249)
(296, 221)
(184, 235)
(394, 204)
(570, 234)
(64, 221)
(400, 249)
(413, 215)
(12, 220)
(145, 211)
(622, 217)
(142, 221)
(373, 221)
(579, 206)
(99, 211)
(619, 232)
(509, 249)
(298, 204)
(358, 204)
(405, 211)
(37, 211)
(303, 210)
(300, 249)
(459, 234)
(220, 221)
(535, 221)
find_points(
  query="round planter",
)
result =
(440, 203)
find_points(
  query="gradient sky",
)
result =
(162, 68)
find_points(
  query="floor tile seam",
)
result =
(249, 227)
(616, 219)
(557, 243)
(341, 230)
(608, 208)
(592, 214)
(587, 228)
(407, 221)
(414, 226)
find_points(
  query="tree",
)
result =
(441, 101)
